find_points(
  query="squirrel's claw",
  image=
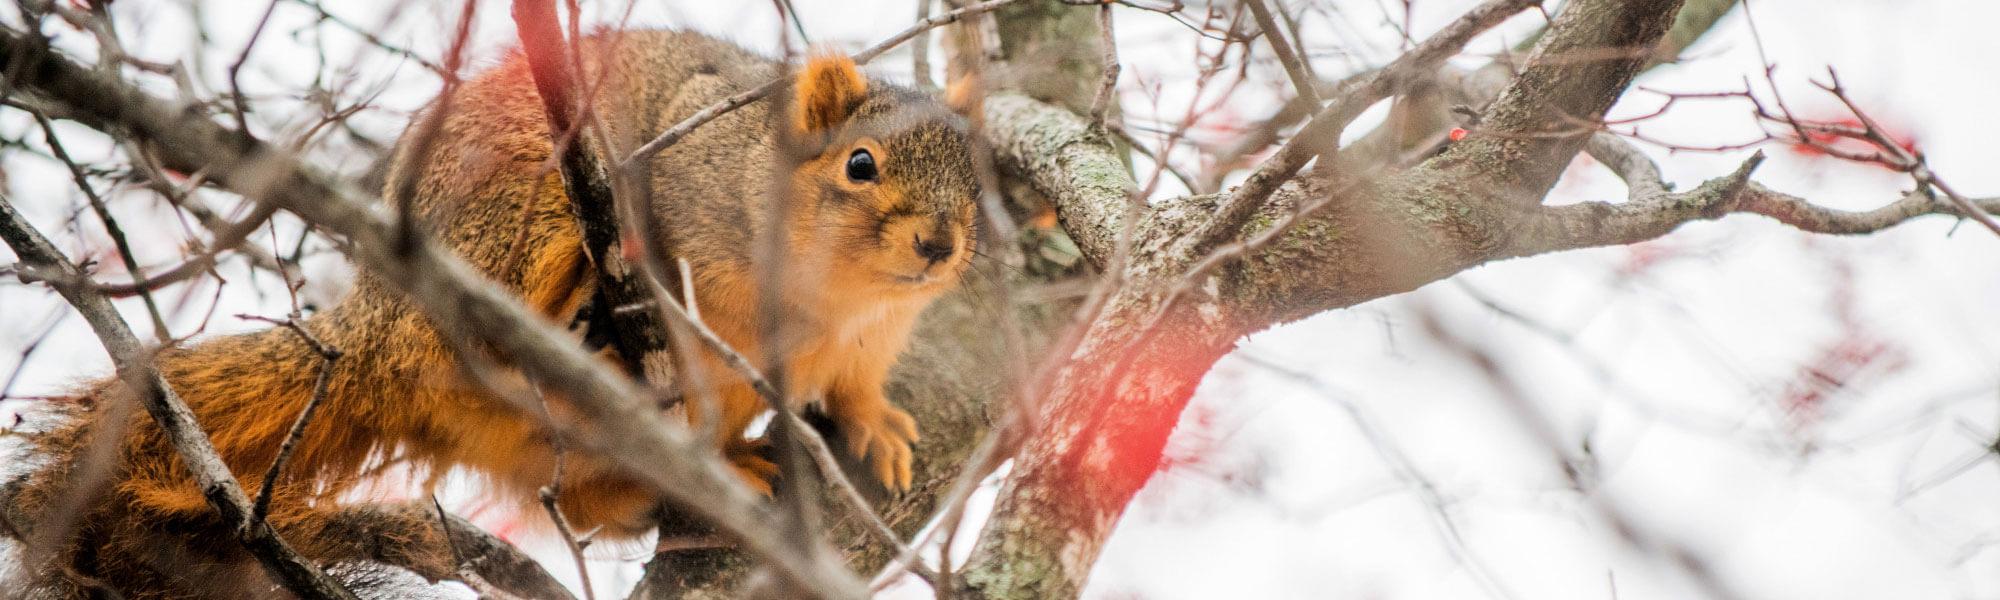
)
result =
(885, 442)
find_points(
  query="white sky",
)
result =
(1682, 349)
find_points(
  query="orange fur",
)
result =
(826, 91)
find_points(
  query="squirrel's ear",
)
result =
(967, 97)
(826, 93)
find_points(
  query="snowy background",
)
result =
(1813, 416)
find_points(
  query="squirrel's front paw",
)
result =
(884, 438)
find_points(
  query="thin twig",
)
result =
(373, 40)
(466, 573)
(329, 355)
(549, 494)
(228, 236)
(1295, 67)
(1107, 90)
(920, 49)
(1911, 163)
(425, 134)
(242, 111)
(822, 455)
(111, 228)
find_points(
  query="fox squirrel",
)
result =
(880, 223)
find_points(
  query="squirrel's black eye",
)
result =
(861, 166)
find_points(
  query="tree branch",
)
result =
(1648, 216)
(1066, 160)
(1303, 81)
(1529, 135)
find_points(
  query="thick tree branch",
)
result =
(1054, 150)
(1047, 50)
(493, 559)
(1388, 148)
(1592, 52)
(1067, 161)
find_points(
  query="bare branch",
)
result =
(228, 236)
(111, 227)
(549, 495)
(829, 467)
(378, 42)
(1904, 160)
(1645, 217)
(1641, 175)
(1107, 91)
(1296, 68)
(328, 356)
(1066, 161)
(920, 49)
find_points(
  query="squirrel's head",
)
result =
(887, 184)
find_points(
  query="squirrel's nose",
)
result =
(934, 250)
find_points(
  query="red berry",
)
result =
(1457, 133)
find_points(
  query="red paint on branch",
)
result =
(1817, 140)
(1130, 416)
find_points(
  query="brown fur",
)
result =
(849, 293)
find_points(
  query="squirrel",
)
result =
(879, 222)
